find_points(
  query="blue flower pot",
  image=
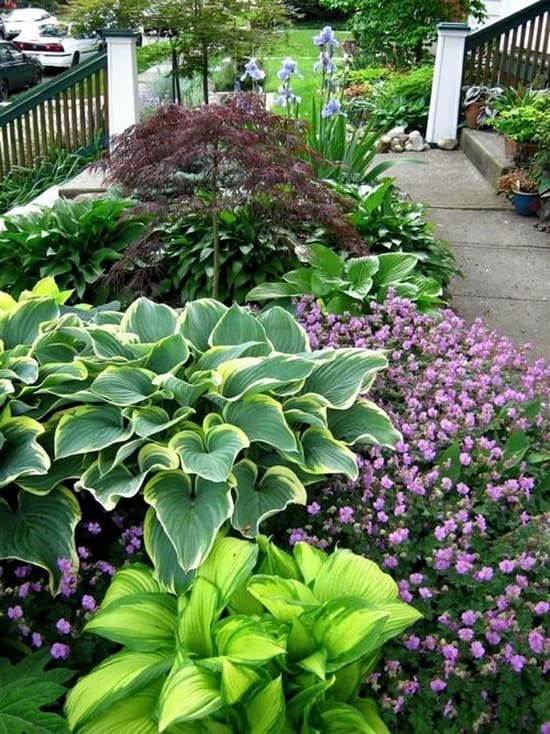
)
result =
(526, 204)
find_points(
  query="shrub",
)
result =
(402, 99)
(73, 241)
(457, 513)
(284, 648)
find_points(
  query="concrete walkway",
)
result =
(505, 260)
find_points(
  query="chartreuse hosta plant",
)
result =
(350, 284)
(214, 415)
(275, 644)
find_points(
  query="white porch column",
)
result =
(447, 82)
(123, 79)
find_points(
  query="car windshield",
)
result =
(54, 31)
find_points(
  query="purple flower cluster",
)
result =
(455, 512)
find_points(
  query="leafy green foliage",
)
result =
(25, 689)
(153, 53)
(213, 414)
(284, 648)
(402, 99)
(73, 241)
(524, 122)
(350, 284)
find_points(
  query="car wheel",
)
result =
(38, 76)
(75, 59)
(3, 90)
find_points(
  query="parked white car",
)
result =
(24, 20)
(55, 46)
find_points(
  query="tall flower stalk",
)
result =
(286, 97)
(326, 41)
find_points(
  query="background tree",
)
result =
(399, 32)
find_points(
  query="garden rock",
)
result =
(447, 143)
(397, 140)
(415, 142)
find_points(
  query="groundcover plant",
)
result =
(458, 513)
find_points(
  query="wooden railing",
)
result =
(69, 112)
(511, 52)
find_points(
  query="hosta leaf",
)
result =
(41, 530)
(163, 555)
(237, 680)
(309, 560)
(215, 356)
(315, 663)
(283, 598)
(283, 331)
(238, 325)
(142, 621)
(275, 561)
(134, 579)
(116, 678)
(306, 698)
(151, 419)
(149, 321)
(265, 710)
(89, 428)
(348, 628)
(323, 454)
(258, 500)
(155, 456)
(123, 385)
(270, 291)
(167, 354)
(242, 639)
(360, 270)
(199, 319)
(347, 574)
(364, 422)
(341, 718)
(393, 267)
(401, 616)
(369, 710)
(24, 369)
(306, 409)
(133, 715)
(185, 393)
(249, 374)
(190, 516)
(22, 324)
(107, 344)
(110, 487)
(59, 471)
(112, 457)
(20, 453)
(190, 693)
(341, 380)
(261, 417)
(229, 565)
(213, 457)
(323, 258)
(195, 622)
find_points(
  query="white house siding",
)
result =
(497, 9)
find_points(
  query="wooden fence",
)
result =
(511, 52)
(69, 113)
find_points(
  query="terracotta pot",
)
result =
(471, 114)
(519, 153)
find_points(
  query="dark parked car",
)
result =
(17, 70)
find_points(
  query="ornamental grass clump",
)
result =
(458, 513)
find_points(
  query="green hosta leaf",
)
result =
(238, 325)
(271, 291)
(107, 345)
(514, 450)
(348, 628)
(243, 640)
(110, 487)
(149, 321)
(143, 621)
(134, 579)
(283, 598)
(347, 574)
(151, 419)
(393, 267)
(315, 663)
(89, 428)
(306, 409)
(215, 356)
(265, 710)
(185, 393)
(167, 354)
(341, 380)
(195, 622)
(155, 456)
(124, 385)
(213, 457)
(163, 554)
(261, 417)
(20, 453)
(342, 718)
(237, 680)
(229, 565)
(401, 616)
(132, 715)
(258, 500)
(309, 560)
(24, 369)
(322, 257)
(41, 530)
(365, 423)
(199, 319)
(190, 516)
(190, 693)
(324, 455)
(306, 698)
(22, 324)
(360, 271)
(122, 675)
(275, 561)
(112, 457)
(369, 710)
(59, 471)
(283, 331)
(249, 374)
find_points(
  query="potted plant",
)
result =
(520, 125)
(478, 105)
(521, 186)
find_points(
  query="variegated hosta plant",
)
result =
(215, 415)
(282, 650)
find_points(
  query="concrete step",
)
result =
(485, 149)
(89, 181)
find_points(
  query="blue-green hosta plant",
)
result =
(280, 644)
(212, 415)
(350, 284)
